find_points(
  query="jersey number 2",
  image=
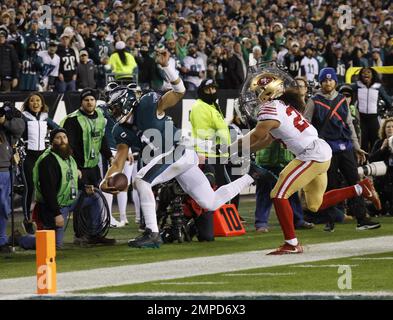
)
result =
(299, 122)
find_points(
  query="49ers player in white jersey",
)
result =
(280, 118)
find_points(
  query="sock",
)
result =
(137, 205)
(122, 202)
(292, 242)
(109, 200)
(335, 196)
(285, 217)
(148, 205)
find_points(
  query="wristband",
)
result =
(171, 73)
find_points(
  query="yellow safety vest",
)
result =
(122, 70)
(208, 129)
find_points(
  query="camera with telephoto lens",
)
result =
(174, 226)
(374, 169)
(9, 111)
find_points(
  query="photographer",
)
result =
(383, 151)
(11, 129)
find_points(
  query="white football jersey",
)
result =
(295, 132)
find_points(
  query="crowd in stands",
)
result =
(76, 44)
(88, 43)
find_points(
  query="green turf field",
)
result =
(369, 273)
(71, 258)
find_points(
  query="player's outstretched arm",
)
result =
(172, 97)
(261, 134)
(117, 166)
(258, 138)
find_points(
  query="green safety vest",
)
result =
(209, 129)
(274, 155)
(93, 133)
(69, 179)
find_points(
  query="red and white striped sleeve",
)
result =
(268, 111)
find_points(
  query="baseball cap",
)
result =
(69, 31)
(117, 4)
(4, 32)
(120, 45)
(279, 25)
(161, 19)
(207, 83)
(338, 46)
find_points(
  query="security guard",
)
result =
(86, 134)
(209, 128)
(55, 179)
(210, 131)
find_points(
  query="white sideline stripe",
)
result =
(188, 283)
(259, 274)
(323, 265)
(181, 268)
(382, 258)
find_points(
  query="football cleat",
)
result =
(370, 193)
(147, 239)
(286, 248)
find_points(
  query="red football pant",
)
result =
(335, 196)
(285, 214)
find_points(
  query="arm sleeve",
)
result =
(52, 125)
(75, 134)
(222, 130)
(354, 138)
(61, 65)
(80, 43)
(309, 112)
(49, 177)
(386, 97)
(377, 154)
(268, 111)
(105, 150)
